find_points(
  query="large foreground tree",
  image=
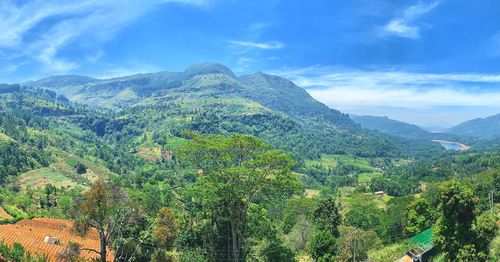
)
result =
(107, 209)
(460, 232)
(326, 218)
(234, 172)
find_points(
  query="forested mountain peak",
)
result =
(283, 95)
(208, 68)
(199, 80)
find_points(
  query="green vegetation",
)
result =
(204, 166)
(460, 232)
(332, 161)
(364, 178)
(16, 252)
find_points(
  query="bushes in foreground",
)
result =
(17, 253)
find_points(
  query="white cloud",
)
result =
(409, 97)
(258, 45)
(421, 98)
(349, 88)
(400, 28)
(60, 23)
(401, 25)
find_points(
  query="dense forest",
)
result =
(204, 166)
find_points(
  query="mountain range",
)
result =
(479, 128)
(210, 98)
(488, 127)
(401, 129)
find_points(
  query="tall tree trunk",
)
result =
(102, 238)
(235, 237)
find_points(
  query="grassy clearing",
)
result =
(312, 193)
(386, 198)
(150, 153)
(63, 174)
(304, 258)
(350, 199)
(330, 161)
(389, 253)
(38, 178)
(367, 177)
(346, 190)
(175, 142)
(5, 138)
(147, 148)
(15, 212)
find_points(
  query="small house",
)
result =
(51, 240)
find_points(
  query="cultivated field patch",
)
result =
(30, 233)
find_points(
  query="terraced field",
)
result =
(30, 233)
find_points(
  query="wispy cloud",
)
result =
(403, 25)
(258, 45)
(95, 57)
(258, 26)
(343, 88)
(39, 30)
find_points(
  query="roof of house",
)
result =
(422, 239)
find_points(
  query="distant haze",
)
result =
(431, 119)
(426, 99)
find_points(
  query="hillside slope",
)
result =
(488, 127)
(401, 129)
(391, 126)
(209, 98)
(47, 140)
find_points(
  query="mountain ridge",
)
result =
(398, 128)
(486, 127)
(209, 98)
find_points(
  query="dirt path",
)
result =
(4, 214)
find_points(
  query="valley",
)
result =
(204, 165)
(249, 131)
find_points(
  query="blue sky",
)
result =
(427, 62)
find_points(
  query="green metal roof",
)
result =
(422, 239)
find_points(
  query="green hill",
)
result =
(488, 127)
(209, 98)
(401, 129)
(39, 135)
